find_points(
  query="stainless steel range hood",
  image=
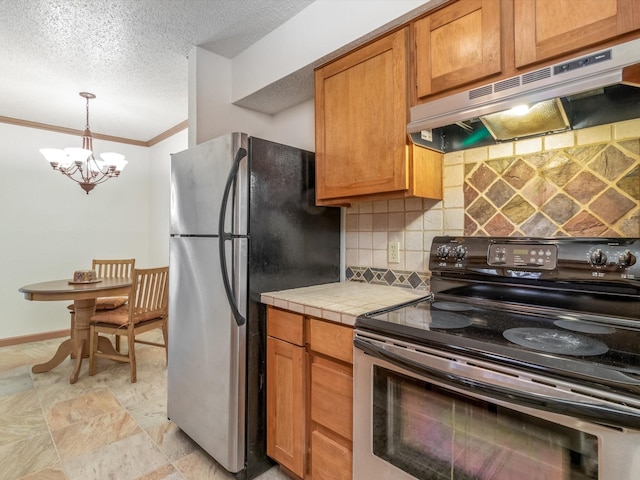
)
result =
(594, 89)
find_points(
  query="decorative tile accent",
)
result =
(518, 209)
(612, 205)
(584, 187)
(586, 225)
(499, 193)
(560, 169)
(518, 174)
(481, 210)
(630, 183)
(482, 177)
(611, 163)
(538, 191)
(392, 278)
(591, 190)
(561, 208)
(499, 226)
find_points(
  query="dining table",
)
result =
(84, 295)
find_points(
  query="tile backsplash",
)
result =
(578, 183)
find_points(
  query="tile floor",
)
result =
(103, 427)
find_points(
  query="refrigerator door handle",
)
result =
(225, 236)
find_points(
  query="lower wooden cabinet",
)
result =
(309, 395)
(285, 405)
(286, 380)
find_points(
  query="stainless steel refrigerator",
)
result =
(243, 221)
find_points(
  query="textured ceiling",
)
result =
(132, 54)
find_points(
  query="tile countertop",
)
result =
(340, 302)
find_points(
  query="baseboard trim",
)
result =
(36, 337)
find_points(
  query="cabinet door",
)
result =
(361, 120)
(456, 45)
(549, 28)
(285, 405)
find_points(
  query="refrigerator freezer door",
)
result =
(207, 366)
(198, 177)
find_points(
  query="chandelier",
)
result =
(80, 165)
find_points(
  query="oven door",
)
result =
(411, 424)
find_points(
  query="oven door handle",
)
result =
(602, 414)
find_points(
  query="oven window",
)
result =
(432, 433)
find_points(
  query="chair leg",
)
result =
(118, 343)
(132, 353)
(165, 334)
(93, 347)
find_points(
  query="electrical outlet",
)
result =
(393, 252)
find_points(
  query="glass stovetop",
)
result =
(559, 343)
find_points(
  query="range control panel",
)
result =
(526, 255)
(611, 259)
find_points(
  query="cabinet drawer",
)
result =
(331, 339)
(332, 396)
(330, 459)
(285, 325)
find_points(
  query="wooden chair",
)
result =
(108, 269)
(146, 309)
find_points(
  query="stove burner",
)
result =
(448, 320)
(452, 306)
(555, 341)
(584, 327)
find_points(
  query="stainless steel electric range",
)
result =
(523, 362)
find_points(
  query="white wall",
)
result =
(316, 32)
(51, 227)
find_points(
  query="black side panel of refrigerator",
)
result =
(293, 243)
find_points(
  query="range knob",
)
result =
(442, 252)
(626, 259)
(460, 252)
(598, 257)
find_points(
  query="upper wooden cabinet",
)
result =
(362, 148)
(546, 29)
(361, 118)
(457, 45)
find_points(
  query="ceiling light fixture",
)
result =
(80, 165)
